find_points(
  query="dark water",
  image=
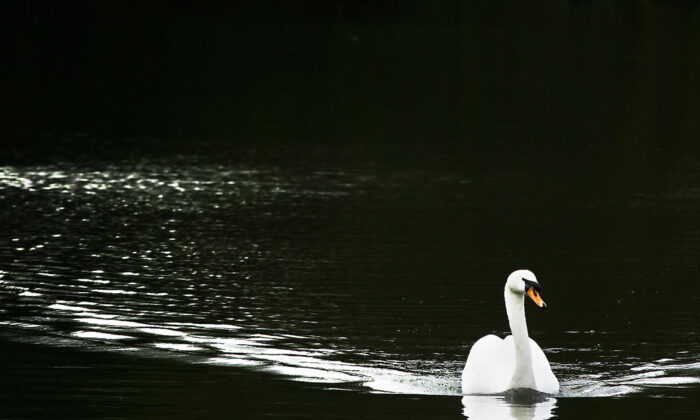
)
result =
(323, 226)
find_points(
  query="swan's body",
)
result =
(495, 365)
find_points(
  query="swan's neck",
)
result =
(523, 376)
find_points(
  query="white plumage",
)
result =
(496, 365)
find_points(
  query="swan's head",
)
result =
(523, 282)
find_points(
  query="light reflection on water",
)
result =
(239, 268)
(277, 354)
(483, 407)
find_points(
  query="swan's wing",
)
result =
(489, 366)
(544, 377)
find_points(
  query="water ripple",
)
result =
(246, 268)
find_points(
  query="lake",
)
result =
(330, 237)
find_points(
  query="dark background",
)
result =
(560, 79)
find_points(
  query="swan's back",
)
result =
(490, 365)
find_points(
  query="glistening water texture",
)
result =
(360, 278)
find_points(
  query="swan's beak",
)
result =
(536, 297)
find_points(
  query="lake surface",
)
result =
(128, 286)
(310, 210)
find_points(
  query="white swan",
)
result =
(496, 365)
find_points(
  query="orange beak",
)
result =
(536, 298)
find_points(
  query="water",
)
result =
(367, 280)
(311, 210)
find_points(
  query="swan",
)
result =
(495, 365)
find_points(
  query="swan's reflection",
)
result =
(518, 406)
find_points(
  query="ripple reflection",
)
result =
(488, 407)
